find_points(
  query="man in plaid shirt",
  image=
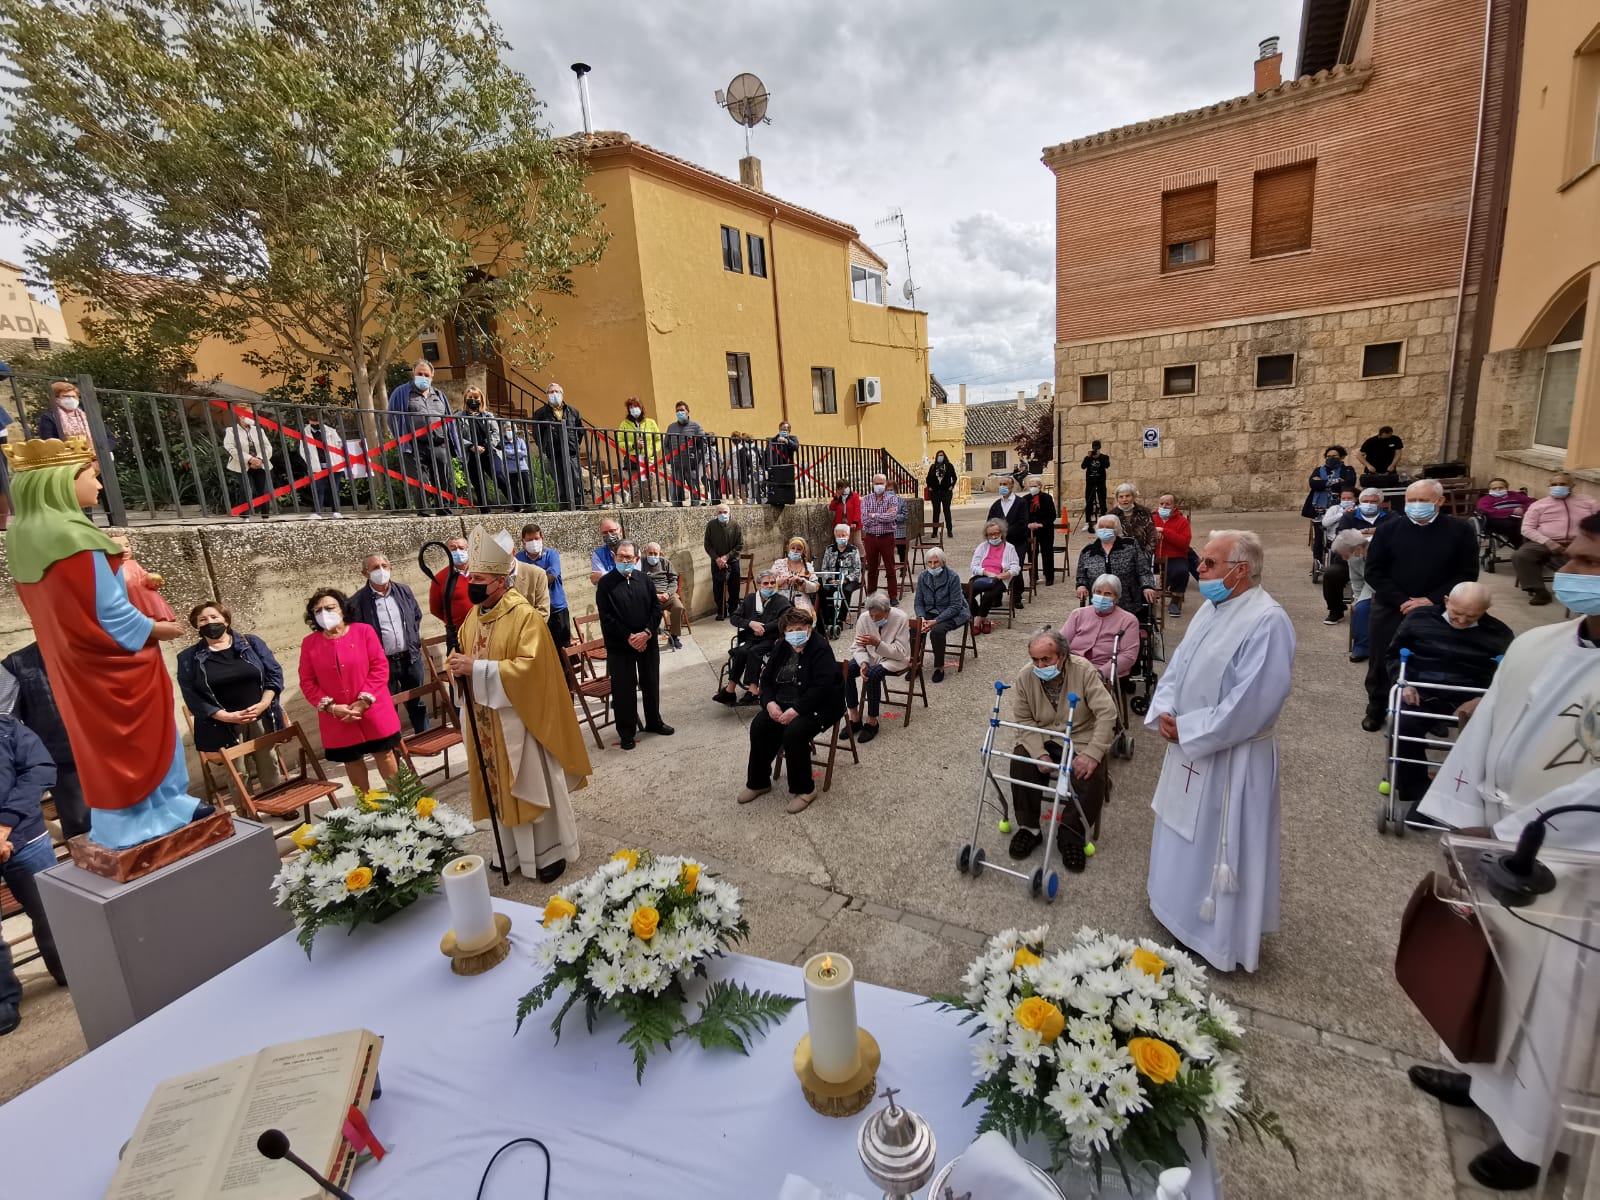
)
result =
(879, 511)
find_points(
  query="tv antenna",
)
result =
(897, 218)
(746, 102)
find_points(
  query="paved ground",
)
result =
(870, 869)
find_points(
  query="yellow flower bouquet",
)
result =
(631, 938)
(1106, 1049)
(363, 863)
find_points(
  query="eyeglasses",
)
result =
(1212, 562)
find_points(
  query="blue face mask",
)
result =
(1166, 513)
(767, 593)
(652, 559)
(1103, 604)
(1580, 593)
(936, 571)
(1370, 509)
(1004, 492)
(1217, 590)
(627, 568)
(1347, 505)
(794, 556)
(797, 637)
(683, 418)
(1421, 510)
(1047, 673)
(1106, 535)
(881, 623)
(995, 541)
(1560, 491)
(458, 557)
(723, 517)
(422, 382)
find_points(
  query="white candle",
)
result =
(831, 1014)
(466, 887)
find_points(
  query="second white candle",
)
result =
(831, 1016)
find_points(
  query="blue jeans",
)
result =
(18, 873)
(1359, 616)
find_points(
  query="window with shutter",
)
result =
(1188, 227)
(1281, 220)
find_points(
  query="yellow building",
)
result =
(1538, 404)
(27, 322)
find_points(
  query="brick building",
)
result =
(1264, 276)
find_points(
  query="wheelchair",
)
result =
(1122, 733)
(1490, 545)
(1319, 541)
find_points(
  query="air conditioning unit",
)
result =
(869, 390)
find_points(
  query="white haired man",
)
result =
(1214, 852)
(420, 412)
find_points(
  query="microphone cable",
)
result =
(1546, 929)
(495, 1157)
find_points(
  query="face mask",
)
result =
(936, 571)
(683, 418)
(458, 557)
(940, 459)
(634, 413)
(1421, 510)
(880, 622)
(612, 540)
(1047, 673)
(995, 541)
(1004, 492)
(477, 592)
(1165, 513)
(1214, 590)
(1580, 593)
(1103, 604)
(797, 637)
(767, 593)
(1560, 492)
(794, 556)
(784, 432)
(1369, 509)
(534, 547)
(627, 568)
(474, 405)
(379, 575)
(841, 542)
(212, 630)
(1331, 466)
(1453, 625)
(1106, 535)
(1347, 505)
(844, 494)
(652, 559)
(422, 382)
(723, 517)
(1125, 505)
(70, 403)
(556, 401)
(1033, 491)
(878, 489)
(247, 422)
(1497, 493)
(327, 618)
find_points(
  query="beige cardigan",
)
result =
(1092, 724)
(534, 585)
(894, 641)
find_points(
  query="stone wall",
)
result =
(1233, 446)
(264, 571)
(1508, 404)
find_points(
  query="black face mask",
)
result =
(477, 592)
(212, 630)
(613, 540)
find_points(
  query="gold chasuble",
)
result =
(529, 732)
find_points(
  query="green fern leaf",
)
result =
(732, 1016)
(653, 1021)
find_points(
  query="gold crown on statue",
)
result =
(48, 452)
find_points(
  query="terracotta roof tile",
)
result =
(996, 423)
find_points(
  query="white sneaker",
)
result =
(337, 515)
(316, 516)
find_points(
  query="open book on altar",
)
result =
(197, 1137)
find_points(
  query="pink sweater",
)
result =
(1091, 636)
(343, 668)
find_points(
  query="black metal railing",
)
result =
(188, 457)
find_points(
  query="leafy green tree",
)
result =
(337, 174)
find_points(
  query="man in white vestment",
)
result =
(532, 750)
(1214, 853)
(1524, 752)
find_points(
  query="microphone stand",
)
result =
(452, 638)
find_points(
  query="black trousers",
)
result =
(986, 593)
(1094, 498)
(941, 504)
(1411, 779)
(564, 468)
(432, 463)
(746, 660)
(936, 638)
(251, 485)
(872, 677)
(1509, 528)
(405, 673)
(725, 585)
(1027, 802)
(480, 469)
(767, 737)
(1047, 558)
(71, 808)
(560, 624)
(635, 674)
(1384, 621)
(1334, 581)
(830, 600)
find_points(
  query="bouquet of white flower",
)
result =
(365, 863)
(1108, 1047)
(630, 937)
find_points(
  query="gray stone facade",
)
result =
(1234, 446)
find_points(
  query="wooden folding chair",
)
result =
(299, 790)
(825, 743)
(582, 627)
(688, 625)
(748, 559)
(208, 760)
(900, 691)
(586, 685)
(443, 732)
(435, 663)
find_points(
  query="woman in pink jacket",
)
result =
(1091, 631)
(344, 674)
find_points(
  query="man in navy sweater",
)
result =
(25, 773)
(1412, 564)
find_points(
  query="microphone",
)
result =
(274, 1144)
(1515, 879)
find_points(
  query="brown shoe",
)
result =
(1542, 596)
(799, 803)
(748, 794)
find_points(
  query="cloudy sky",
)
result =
(937, 107)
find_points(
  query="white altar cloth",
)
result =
(457, 1084)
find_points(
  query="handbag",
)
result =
(1444, 964)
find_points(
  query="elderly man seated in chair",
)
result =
(1460, 647)
(757, 622)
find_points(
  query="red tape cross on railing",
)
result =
(647, 465)
(346, 458)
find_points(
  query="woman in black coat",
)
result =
(802, 694)
(231, 684)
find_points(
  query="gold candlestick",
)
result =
(475, 960)
(849, 1096)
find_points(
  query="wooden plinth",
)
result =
(475, 960)
(123, 865)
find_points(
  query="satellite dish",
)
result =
(909, 292)
(745, 100)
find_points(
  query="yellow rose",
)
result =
(425, 806)
(631, 857)
(1024, 958)
(1045, 1019)
(1150, 964)
(1157, 1061)
(373, 800)
(556, 908)
(645, 922)
(358, 880)
(690, 876)
(302, 837)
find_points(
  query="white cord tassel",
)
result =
(1222, 877)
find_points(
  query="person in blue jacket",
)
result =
(26, 773)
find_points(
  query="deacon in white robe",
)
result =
(1522, 753)
(1214, 852)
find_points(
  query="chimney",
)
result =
(963, 395)
(1269, 66)
(750, 172)
(581, 70)
(1022, 400)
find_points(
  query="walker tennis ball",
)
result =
(1383, 787)
(1088, 849)
(1005, 826)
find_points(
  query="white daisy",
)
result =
(985, 1059)
(1024, 1079)
(1227, 1086)
(544, 953)
(606, 976)
(1125, 1095)
(1096, 1128)
(570, 947)
(1107, 982)
(1071, 1102)
(1025, 1045)
(995, 1013)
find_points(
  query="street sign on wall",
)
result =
(1152, 438)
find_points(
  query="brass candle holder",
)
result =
(475, 960)
(849, 1096)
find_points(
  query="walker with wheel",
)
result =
(971, 858)
(1390, 816)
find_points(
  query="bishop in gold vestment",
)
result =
(532, 746)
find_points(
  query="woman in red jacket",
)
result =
(846, 509)
(345, 676)
(1173, 536)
